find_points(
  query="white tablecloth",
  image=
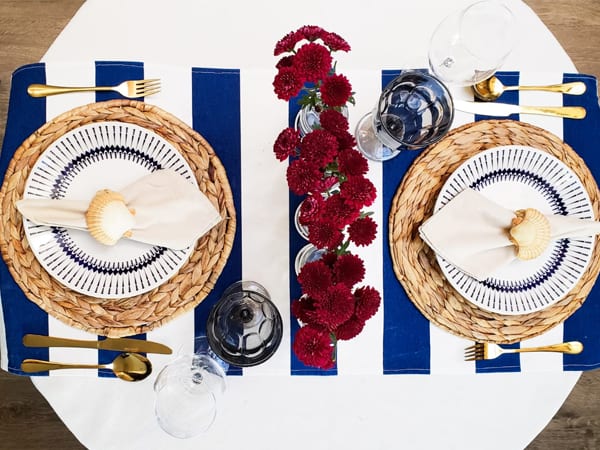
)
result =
(436, 411)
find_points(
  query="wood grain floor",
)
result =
(28, 27)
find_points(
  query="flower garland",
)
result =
(326, 168)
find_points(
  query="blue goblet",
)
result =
(414, 111)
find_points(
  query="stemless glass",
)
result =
(244, 327)
(414, 110)
(188, 391)
(470, 45)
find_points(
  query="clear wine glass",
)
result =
(188, 391)
(470, 45)
(414, 110)
(244, 327)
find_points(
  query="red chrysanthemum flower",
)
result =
(358, 191)
(310, 209)
(288, 42)
(315, 277)
(302, 176)
(287, 83)
(329, 259)
(325, 235)
(335, 307)
(313, 61)
(313, 347)
(303, 309)
(335, 42)
(339, 212)
(336, 90)
(326, 184)
(312, 32)
(362, 231)
(286, 61)
(349, 269)
(319, 147)
(286, 143)
(349, 329)
(346, 140)
(352, 163)
(367, 300)
(334, 122)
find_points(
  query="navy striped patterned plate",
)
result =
(89, 158)
(518, 177)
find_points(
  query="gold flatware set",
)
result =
(128, 366)
(492, 88)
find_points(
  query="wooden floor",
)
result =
(27, 28)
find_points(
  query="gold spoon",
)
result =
(492, 88)
(127, 366)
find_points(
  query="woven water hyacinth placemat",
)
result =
(415, 264)
(142, 313)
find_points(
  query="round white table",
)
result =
(271, 412)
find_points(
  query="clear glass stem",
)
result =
(368, 142)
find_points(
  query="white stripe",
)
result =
(460, 117)
(178, 334)
(69, 74)
(67, 354)
(542, 361)
(539, 98)
(175, 80)
(265, 237)
(364, 353)
(447, 352)
(3, 345)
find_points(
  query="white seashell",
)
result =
(108, 219)
(530, 232)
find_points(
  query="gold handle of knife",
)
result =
(573, 88)
(36, 340)
(570, 112)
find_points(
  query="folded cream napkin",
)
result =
(168, 211)
(472, 233)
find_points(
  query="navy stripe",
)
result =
(296, 243)
(21, 316)
(112, 74)
(216, 116)
(583, 136)
(508, 362)
(405, 329)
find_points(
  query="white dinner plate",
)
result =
(519, 177)
(89, 158)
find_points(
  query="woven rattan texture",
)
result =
(142, 313)
(415, 263)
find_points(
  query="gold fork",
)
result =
(130, 89)
(487, 350)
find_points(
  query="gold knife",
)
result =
(120, 344)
